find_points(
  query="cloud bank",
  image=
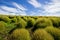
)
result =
(49, 9)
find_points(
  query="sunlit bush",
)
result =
(20, 34)
(24, 18)
(10, 27)
(41, 34)
(54, 32)
(21, 23)
(14, 20)
(30, 22)
(3, 26)
(55, 21)
(5, 19)
(42, 23)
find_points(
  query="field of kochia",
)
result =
(29, 28)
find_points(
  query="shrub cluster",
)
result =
(42, 23)
(55, 22)
(20, 34)
(55, 32)
(41, 34)
(3, 27)
(29, 28)
(21, 23)
(30, 22)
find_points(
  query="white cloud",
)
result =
(35, 3)
(52, 8)
(11, 11)
(19, 6)
(3, 12)
(6, 13)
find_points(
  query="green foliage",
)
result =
(55, 21)
(14, 20)
(13, 24)
(24, 18)
(3, 26)
(5, 19)
(41, 34)
(10, 27)
(20, 34)
(54, 32)
(30, 22)
(21, 23)
(42, 23)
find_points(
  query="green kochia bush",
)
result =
(3, 26)
(41, 34)
(24, 18)
(54, 32)
(21, 23)
(20, 34)
(10, 27)
(5, 19)
(30, 22)
(55, 21)
(42, 23)
(14, 20)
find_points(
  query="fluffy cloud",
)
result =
(53, 7)
(9, 9)
(19, 10)
(49, 9)
(35, 3)
(19, 6)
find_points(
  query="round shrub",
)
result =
(41, 34)
(55, 21)
(20, 34)
(14, 20)
(21, 23)
(3, 26)
(24, 18)
(5, 19)
(10, 27)
(30, 22)
(42, 23)
(55, 32)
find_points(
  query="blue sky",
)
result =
(30, 7)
